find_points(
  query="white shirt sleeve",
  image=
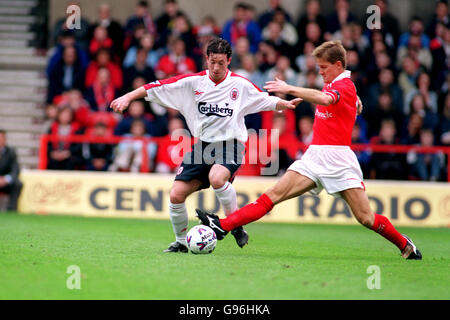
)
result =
(256, 100)
(172, 93)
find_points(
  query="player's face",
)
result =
(329, 71)
(217, 65)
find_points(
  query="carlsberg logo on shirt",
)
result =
(210, 109)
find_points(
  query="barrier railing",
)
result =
(46, 138)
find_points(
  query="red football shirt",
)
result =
(333, 124)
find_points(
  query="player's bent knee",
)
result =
(217, 181)
(176, 196)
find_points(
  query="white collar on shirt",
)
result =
(343, 75)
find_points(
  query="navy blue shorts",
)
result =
(197, 163)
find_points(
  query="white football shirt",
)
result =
(214, 111)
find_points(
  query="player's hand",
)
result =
(284, 104)
(277, 85)
(360, 106)
(120, 104)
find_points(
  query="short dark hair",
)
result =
(2, 131)
(219, 45)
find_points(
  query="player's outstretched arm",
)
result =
(121, 104)
(311, 95)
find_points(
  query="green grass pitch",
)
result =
(123, 259)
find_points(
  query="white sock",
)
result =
(179, 218)
(227, 198)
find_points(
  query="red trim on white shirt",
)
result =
(220, 81)
(237, 75)
(159, 83)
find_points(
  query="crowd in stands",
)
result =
(401, 76)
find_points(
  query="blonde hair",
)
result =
(331, 51)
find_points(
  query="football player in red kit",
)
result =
(329, 163)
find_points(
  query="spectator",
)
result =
(249, 70)
(67, 74)
(64, 155)
(441, 15)
(305, 130)
(81, 33)
(136, 111)
(415, 50)
(66, 39)
(267, 15)
(169, 155)
(241, 49)
(98, 156)
(360, 40)
(103, 59)
(386, 82)
(346, 37)
(165, 22)
(314, 34)
(176, 62)
(444, 126)
(358, 75)
(387, 165)
(240, 26)
(288, 31)
(385, 110)
(134, 38)
(142, 16)
(102, 91)
(266, 56)
(426, 166)
(312, 14)
(113, 28)
(147, 43)
(423, 84)
(418, 105)
(282, 144)
(382, 61)
(363, 157)
(416, 28)
(51, 111)
(99, 40)
(441, 56)
(129, 154)
(389, 24)
(408, 74)
(139, 69)
(411, 135)
(283, 70)
(9, 173)
(80, 107)
(182, 28)
(303, 61)
(339, 17)
(273, 36)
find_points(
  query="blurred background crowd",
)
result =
(401, 76)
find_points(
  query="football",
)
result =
(201, 239)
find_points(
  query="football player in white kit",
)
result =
(214, 103)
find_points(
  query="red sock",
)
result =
(384, 227)
(247, 214)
